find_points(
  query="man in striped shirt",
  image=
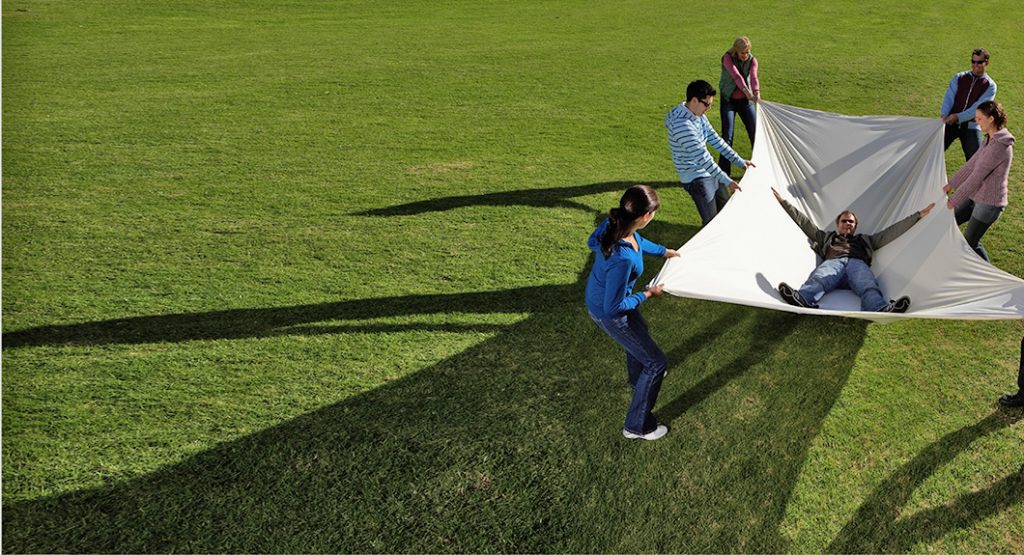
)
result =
(688, 133)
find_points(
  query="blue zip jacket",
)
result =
(610, 286)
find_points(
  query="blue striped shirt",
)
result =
(688, 136)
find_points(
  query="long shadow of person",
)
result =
(312, 318)
(876, 526)
(510, 445)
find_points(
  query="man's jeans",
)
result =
(728, 110)
(970, 139)
(844, 273)
(709, 196)
(981, 217)
(645, 367)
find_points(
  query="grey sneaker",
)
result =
(793, 297)
(899, 306)
(658, 433)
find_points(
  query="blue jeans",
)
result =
(970, 139)
(844, 273)
(645, 367)
(981, 217)
(709, 195)
(728, 110)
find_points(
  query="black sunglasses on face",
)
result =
(847, 221)
(978, 62)
(706, 104)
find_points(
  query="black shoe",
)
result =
(793, 297)
(899, 306)
(1012, 401)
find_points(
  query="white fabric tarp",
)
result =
(883, 168)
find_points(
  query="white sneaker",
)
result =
(658, 433)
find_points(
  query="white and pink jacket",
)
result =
(983, 178)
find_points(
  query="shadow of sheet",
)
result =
(502, 447)
(745, 397)
(511, 445)
(876, 526)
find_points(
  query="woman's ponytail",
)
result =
(636, 201)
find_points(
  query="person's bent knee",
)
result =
(657, 365)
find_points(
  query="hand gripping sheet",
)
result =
(883, 168)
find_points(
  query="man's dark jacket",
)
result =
(822, 240)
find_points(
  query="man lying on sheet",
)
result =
(846, 260)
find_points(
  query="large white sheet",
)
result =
(881, 167)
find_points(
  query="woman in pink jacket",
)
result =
(740, 91)
(981, 185)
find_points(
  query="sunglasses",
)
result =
(706, 104)
(978, 62)
(847, 221)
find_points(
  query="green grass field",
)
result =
(307, 276)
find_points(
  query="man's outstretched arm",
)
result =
(805, 223)
(889, 234)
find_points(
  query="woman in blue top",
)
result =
(618, 262)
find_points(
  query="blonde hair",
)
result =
(739, 45)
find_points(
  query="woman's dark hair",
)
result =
(636, 201)
(995, 111)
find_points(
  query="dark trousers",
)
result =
(728, 110)
(980, 217)
(1020, 373)
(970, 139)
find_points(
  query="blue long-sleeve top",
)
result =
(688, 135)
(610, 286)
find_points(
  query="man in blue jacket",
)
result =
(966, 90)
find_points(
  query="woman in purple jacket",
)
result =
(981, 185)
(618, 263)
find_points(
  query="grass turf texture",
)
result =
(308, 276)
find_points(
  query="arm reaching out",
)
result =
(889, 234)
(655, 291)
(806, 225)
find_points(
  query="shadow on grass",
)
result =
(511, 445)
(877, 528)
(761, 345)
(302, 319)
(552, 197)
